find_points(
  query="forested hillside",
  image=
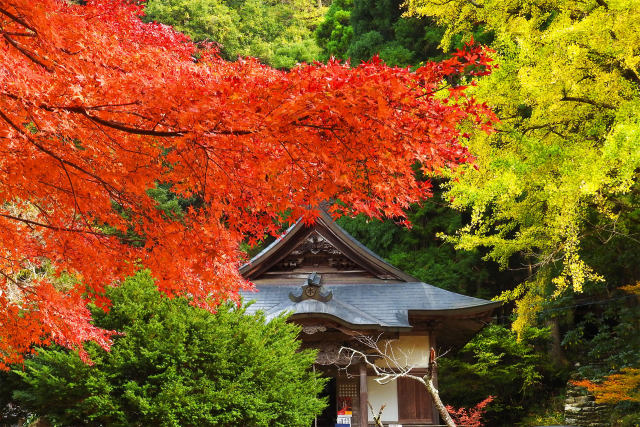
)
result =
(278, 33)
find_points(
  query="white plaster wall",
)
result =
(408, 350)
(379, 395)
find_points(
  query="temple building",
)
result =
(338, 290)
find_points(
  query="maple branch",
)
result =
(108, 187)
(11, 279)
(53, 227)
(123, 128)
(124, 104)
(128, 129)
(116, 143)
(26, 53)
(230, 132)
(306, 125)
(66, 229)
(293, 160)
(13, 33)
(339, 138)
(18, 284)
(72, 188)
(75, 199)
(147, 132)
(18, 20)
(208, 158)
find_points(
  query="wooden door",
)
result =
(414, 402)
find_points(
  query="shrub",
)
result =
(176, 364)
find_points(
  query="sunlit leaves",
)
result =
(98, 108)
(615, 388)
(566, 150)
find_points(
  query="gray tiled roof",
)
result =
(381, 304)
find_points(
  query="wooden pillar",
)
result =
(434, 409)
(364, 399)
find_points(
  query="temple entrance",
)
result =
(328, 416)
(343, 398)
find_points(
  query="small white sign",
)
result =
(344, 419)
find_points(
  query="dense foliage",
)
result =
(421, 252)
(558, 185)
(175, 364)
(552, 197)
(359, 29)
(278, 33)
(95, 113)
(564, 163)
(334, 33)
(515, 372)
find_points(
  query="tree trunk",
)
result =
(555, 350)
(433, 391)
(377, 418)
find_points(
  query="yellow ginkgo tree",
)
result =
(565, 160)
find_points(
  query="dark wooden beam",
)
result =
(364, 398)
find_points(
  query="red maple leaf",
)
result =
(97, 108)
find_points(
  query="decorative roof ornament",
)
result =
(312, 290)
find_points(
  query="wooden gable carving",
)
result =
(323, 247)
(315, 251)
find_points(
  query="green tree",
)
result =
(176, 364)
(378, 28)
(278, 33)
(421, 252)
(335, 32)
(563, 165)
(360, 29)
(494, 363)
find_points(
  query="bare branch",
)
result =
(377, 418)
(389, 363)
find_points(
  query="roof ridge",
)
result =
(364, 256)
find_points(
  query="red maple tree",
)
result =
(471, 417)
(96, 108)
(615, 388)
